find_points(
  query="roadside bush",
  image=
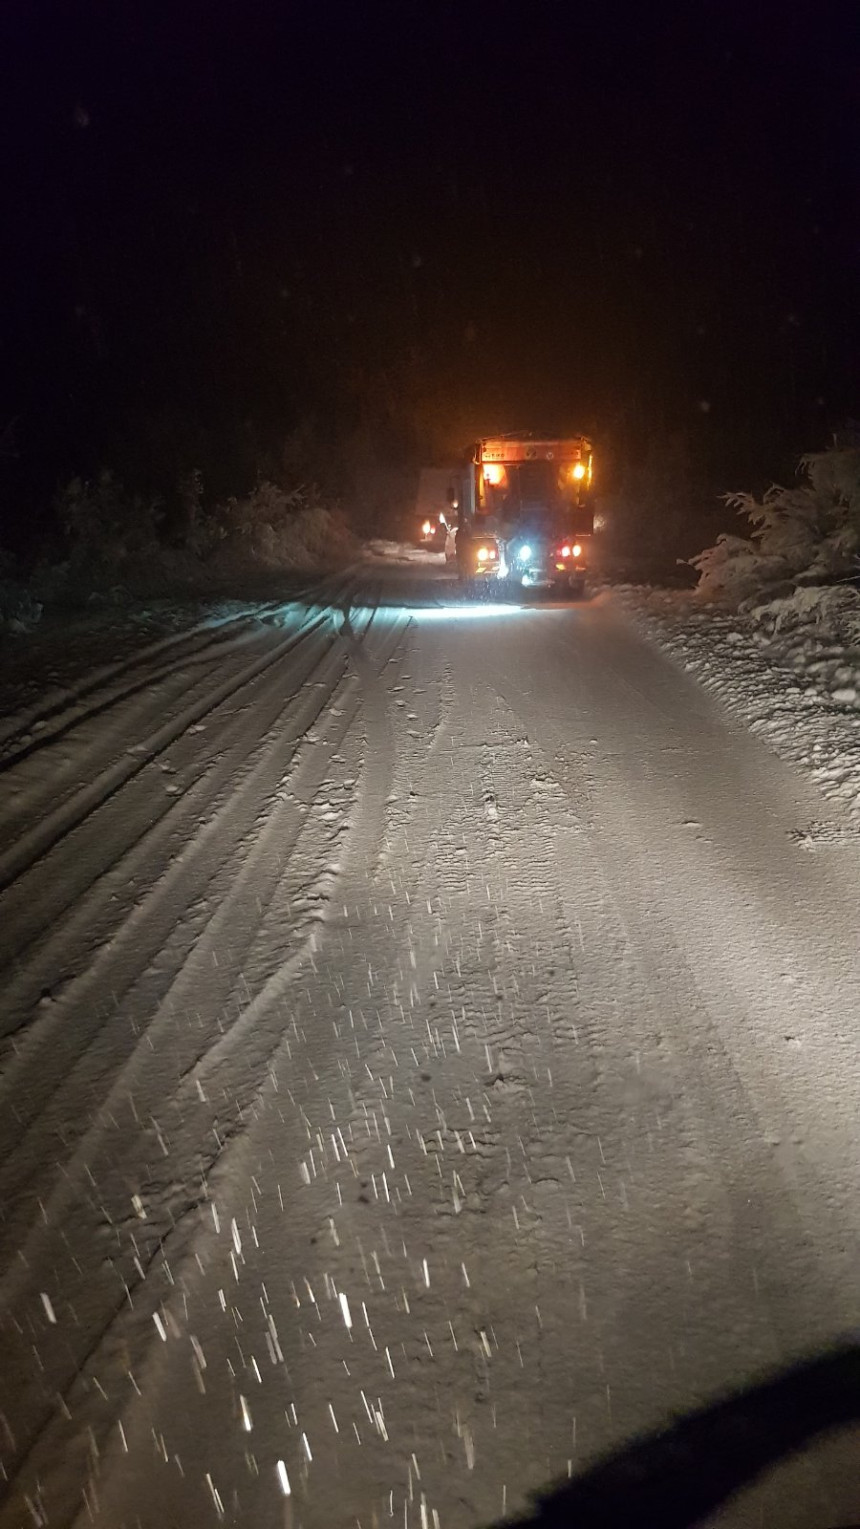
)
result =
(805, 535)
(113, 545)
(112, 534)
(199, 531)
(276, 528)
(832, 611)
(20, 609)
(105, 525)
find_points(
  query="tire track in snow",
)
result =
(114, 1156)
(615, 1296)
(55, 825)
(41, 727)
(168, 1053)
(109, 734)
(49, 1051)
(65, 708)
(67, 905)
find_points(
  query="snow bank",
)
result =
(789, 668)
(383, 551)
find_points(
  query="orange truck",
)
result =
(525, 513)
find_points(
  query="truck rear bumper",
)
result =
(548, 577)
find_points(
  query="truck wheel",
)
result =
(569, 589)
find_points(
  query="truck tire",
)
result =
(569, 589)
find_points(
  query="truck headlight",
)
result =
(524, 554)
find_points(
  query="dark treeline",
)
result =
(306, 245)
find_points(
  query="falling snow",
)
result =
(372, 1157)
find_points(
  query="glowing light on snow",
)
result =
(463, 612)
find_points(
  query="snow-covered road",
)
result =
(429, 1056)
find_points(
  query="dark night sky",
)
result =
(460, 214)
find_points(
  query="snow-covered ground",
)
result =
(381, 551)
(790, 669)
(429, 1057)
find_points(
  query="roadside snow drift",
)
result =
(790, 668)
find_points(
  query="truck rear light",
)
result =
(487, 554)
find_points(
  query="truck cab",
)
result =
(526, 514)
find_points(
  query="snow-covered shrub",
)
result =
(262, 513)
(116, 541)
(806, 534)
(831, 610)
(280, 528)
(200, 532)
(20, 609)
(733, 570)
(106, 525)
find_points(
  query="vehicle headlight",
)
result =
(483, 554)
(577, 550)
(525, 553)
(578, 470)
(426, 528)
